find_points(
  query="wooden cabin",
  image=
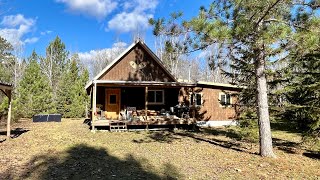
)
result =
(136, 89)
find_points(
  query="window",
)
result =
(196, 99)
(225, 99)
(113, 99)
(156, 97)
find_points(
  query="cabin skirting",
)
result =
(212, 123)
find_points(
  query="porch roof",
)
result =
(5, 86)
(138, 83)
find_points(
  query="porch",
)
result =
(123, 125)
(139, 104)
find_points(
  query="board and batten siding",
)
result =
(137, 65)
(211, 107)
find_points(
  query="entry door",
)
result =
(112, 103)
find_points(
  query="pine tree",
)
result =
(5, 73)
(5, 60)
(254, 33)
(54, 64)
(34, 90)
(80, 95)
(302, 75)
(71, 95)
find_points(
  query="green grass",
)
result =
(68, 150)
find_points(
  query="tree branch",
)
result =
(266, 13)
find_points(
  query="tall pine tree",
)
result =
(71, 95)
(254, 33)
(34, 90)
(302, 75)
(54, 64)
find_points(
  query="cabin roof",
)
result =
(217, 84)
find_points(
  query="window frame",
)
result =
(194, 102)
(225, 94)
(155, 97)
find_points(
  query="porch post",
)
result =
(94, 104)
(9, 115)
(146, 106)
(86, 111)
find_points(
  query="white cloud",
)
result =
(143, 5)
(15, 27)
(31, 40)
(108, 53)
(127, 5)
(126, 22)
(135, 16)
(45, 32)
(96, 60)
(96, 8)
(16, 20)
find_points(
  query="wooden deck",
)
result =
(148, 122)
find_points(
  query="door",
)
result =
(112, 103)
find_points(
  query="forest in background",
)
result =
(233, 38)
(50, 84)
(271, 48)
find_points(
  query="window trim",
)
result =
(194, 103)
(219, 98)
(156, 103)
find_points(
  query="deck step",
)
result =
(118, 126)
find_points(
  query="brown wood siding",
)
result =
(147, 69)
(212, 109)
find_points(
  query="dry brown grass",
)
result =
(68, 150)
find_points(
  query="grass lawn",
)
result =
(68, 150)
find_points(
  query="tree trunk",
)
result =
(262, 108)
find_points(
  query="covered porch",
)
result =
(139, 103)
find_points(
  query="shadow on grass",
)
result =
(84, 162)
(87, 122)
(286, 146)
(233, 145)
(162, 137)
(312, 154)
(282, 125)
(222, 132)
(169, 137)
(15, 133)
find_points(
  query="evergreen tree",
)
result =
(5, 73)
(34, 90)
(302, 76)
(80, 95)
(254, 33)
(71, 93)
(6, 60)
(54, 64)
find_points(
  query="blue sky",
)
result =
(84, 25)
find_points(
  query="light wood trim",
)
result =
(107, 98)
(146, 104)
(219, 99)
(94, 104)
(9, 115)
(6, 87)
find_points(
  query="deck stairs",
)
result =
(118, 126)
